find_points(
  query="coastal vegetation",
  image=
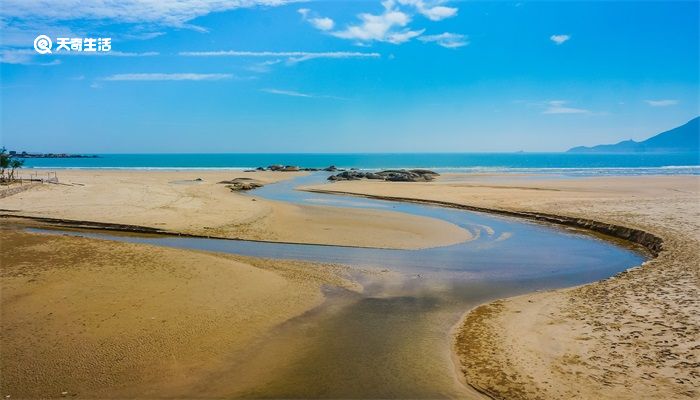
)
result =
(8, 165)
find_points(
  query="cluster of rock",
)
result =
(242, 184)
(392, 175)
(292, 168)
(283, 168)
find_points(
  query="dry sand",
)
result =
(100, 319)
(173, 201)
(636, 335)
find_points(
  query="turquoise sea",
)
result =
(564, 163)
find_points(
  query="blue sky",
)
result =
(355, 76)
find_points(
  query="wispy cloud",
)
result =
(110, 54)
(168, 77)
(390, 26)
(560, 107)
(294, 93)
(31, 57)
(22, 57)
(447, 39)
(264, 66)
(168, 13)
(291, 56)
(559, 39)
(286, 92)
(661, 103)
(22, 20)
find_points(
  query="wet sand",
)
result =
(637, 334)
(175, 201)
(95, 318)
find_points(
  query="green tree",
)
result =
(4, 162)
(14, 165)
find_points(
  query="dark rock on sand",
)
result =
(283, 168)
(402, 175)
(347, 176)
(242, 184)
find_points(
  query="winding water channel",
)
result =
(393, 340)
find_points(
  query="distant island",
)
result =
(24, 154)
(683, 139)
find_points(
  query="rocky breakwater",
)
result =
(391, 175)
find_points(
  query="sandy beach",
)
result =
(634, 333)
(181, 317)
(175, 201)
(94, 318)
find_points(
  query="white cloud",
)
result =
(286, 93)
(293, 93)
(320, 23)
(323, 23)
(264, 66)
(168, 77)
(386, 27)
(106, 54)
(25, 57)
(31, 57)
(559, 39)
(662, 103)
(439, 13)
(560, 107)
(291, 56)
(170, 13)
(403, 36)
(391, 25)
(432, 11)
(447, 39)
(21, 20)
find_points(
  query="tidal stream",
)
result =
(393, 340)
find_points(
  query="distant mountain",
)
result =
(685, 138)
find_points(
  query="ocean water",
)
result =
(562, 163)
